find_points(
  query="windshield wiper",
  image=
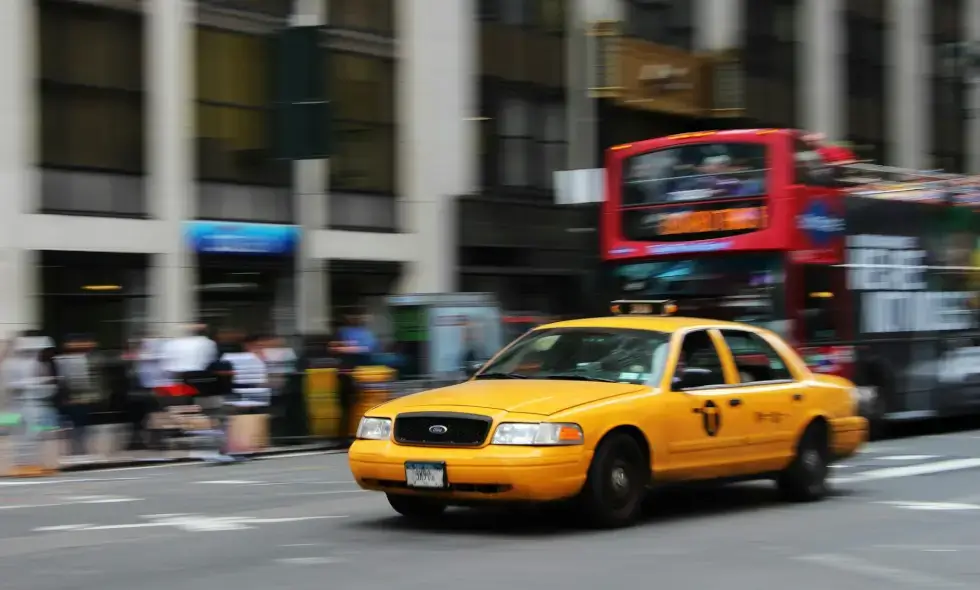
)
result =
(579, 378)
(501, 376)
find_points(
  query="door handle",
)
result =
(797, 397)
(734, 402)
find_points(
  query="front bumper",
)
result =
(491, 473)
(849, 435)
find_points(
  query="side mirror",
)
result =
(692, 377)
(472, 368)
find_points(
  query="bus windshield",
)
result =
(741, 287)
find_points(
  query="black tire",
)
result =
(616, 484)
(415, 508)
(805, 480)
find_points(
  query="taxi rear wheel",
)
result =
(616, 484)
(420, 509)
(805, 480)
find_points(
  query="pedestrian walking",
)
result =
(186, 359)
(249, 392)
(32, 382)
(80, 369)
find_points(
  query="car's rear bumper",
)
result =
(849, 434)
(504, 474)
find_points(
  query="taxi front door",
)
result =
(709, 425)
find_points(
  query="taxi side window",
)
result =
(698, 352)
(755, 359)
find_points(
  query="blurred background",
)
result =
(264, 163)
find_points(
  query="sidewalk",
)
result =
(107, 450)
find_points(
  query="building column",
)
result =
(719, 24)
(18, 178)
(821, 27)
(310, 179)
(438, 152)
(909, 84)
(169, 59)
(972, 28)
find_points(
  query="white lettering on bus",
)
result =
(889, 272)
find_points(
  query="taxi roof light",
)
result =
(643, 307)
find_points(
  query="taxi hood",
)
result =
(527, 396)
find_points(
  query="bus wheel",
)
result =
(873, 408)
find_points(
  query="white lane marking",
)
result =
(193, 523)
(229, 482)
(51, 482)
(927, 547)
(936, 506)
(168, 515)
(71, 502)
(309, 560)
(100, 499)
(905, 457)
(323, 493)
(909, 470)
(62, 527)
(903, 577)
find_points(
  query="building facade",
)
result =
(143, 189)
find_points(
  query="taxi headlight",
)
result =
(538, 434)
(374, 429)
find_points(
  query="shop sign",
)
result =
(648, 76)
(219, 237)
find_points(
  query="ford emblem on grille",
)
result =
(438, 429)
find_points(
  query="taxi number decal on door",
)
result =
(711, 418)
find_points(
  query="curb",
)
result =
(330, 449)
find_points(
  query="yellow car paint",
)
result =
(732, 430)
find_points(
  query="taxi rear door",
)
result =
(775, 399)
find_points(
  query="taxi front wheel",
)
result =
(414, 508)
(616, 484)
(805, 480)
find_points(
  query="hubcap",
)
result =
(620, 481)
(814, 466)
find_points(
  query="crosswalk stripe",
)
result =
(909, 470)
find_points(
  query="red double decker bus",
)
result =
(870, 271)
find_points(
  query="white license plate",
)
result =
(425, 475)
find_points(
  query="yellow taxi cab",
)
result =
(597, 410)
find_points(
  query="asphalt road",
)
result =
(905, 515)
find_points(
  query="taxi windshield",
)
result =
(612, 355)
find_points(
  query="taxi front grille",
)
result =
(448, 429)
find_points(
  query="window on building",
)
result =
(92, 104)
(531, 143)
(363, 129)
(667, 22)
(544, 15)
(369, 16)
(552, 15)
(865, 24)
(514, 142)
(233, 108)
(949, 88)
(770, 62)
(552, 143)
